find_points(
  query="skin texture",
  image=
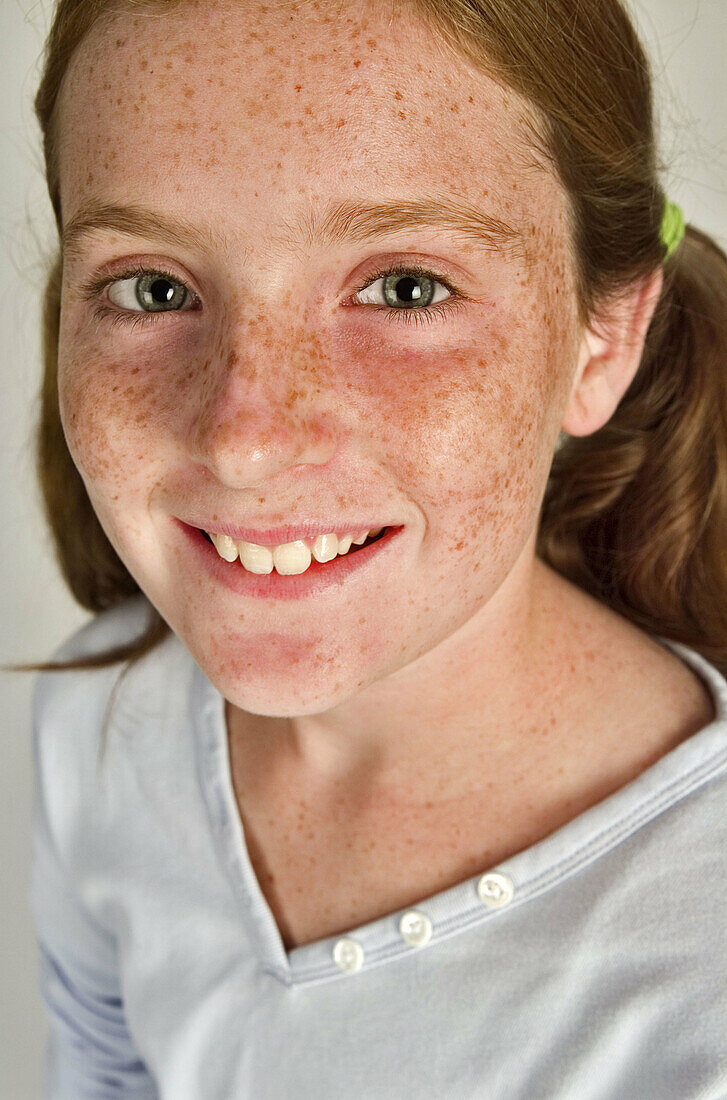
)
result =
(278, 399)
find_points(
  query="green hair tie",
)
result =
(672, 227)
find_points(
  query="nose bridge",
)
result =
(261, 408)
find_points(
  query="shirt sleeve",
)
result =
(90, 1053)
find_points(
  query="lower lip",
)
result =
(273, 586)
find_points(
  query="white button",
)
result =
(495, 890)
(348, 955)
(416, 928)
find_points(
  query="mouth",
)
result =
(318, 577)
(354, 548)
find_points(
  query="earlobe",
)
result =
(609, 357)
(592, 400)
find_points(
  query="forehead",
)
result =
(234, 105)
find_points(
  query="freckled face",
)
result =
(284, 393)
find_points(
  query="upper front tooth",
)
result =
(292, 557)
(256, 559)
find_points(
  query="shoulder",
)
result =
(104, 630)
(66, 702)
(75, 711)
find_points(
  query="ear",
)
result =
(610, 354)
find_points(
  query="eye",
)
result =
(153, 291)
(409, 294)
(140, 293)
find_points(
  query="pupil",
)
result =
(412, 292)
(163, 296)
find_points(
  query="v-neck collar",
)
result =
(489, 895)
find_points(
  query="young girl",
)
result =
(384, 431)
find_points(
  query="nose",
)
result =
(262, 411)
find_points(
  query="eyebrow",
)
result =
(339, 223)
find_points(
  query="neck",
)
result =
(434, 727)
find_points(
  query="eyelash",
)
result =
(93, 289)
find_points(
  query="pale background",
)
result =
(687, 41)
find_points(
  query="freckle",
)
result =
(143, 64)
(356, 64)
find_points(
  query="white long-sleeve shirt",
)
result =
(590, 966)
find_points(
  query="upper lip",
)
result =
(279, 536)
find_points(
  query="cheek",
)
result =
(110, 407)
(465, 426)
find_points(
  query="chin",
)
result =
(271, 675)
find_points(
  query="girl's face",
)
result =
(273, 389)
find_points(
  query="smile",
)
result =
(292, 558)
(307, 575)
